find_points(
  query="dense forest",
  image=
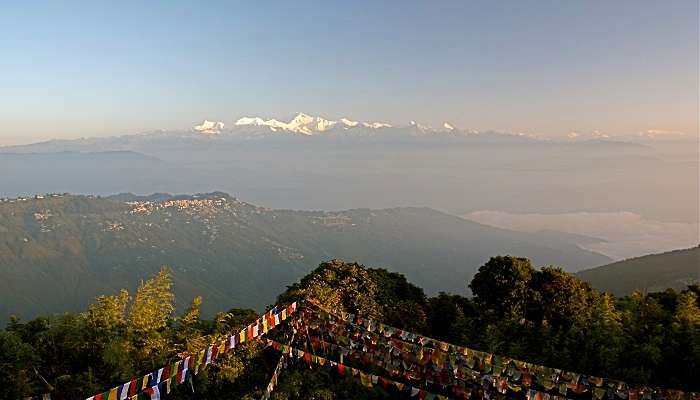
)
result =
(544, 316)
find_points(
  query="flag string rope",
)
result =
(178, 372)
(367, 379)
(597, 385)
(459, 386)
(375, 379)
(273, 380)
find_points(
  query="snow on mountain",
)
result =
(251, 121)
(209, 127)
(421, 129)
(348, 123)
(307, 124)
(376, 125)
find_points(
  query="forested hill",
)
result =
(674, 269)
(59, 252)
(517, 312)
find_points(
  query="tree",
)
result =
(16, 362)
(451, 318)
(501, 287)
(149, 315)
(372, 292)
(108, 313)
(338, 286)
(558, 298)
(153, 303)
(687, 310)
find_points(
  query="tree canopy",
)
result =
(544, 315)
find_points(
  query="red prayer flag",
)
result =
(132, 387)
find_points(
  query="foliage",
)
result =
(501, 286)
(542, 315)
(16, 364)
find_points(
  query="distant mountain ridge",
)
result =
(674, 269)
(345, 163)
(57, 253)
(315, 129)
(301, 123)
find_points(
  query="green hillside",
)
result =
(675, 269)
(549, 335)
(57, 253)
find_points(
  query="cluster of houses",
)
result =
(37, 197)
(147, 207)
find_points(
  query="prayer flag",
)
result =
(153, 392)
(124, 391)
(132, 387)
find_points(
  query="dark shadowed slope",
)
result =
(57, 253)
(675, 269)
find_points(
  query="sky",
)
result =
(75, 69)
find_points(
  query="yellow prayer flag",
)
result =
(366, 379)
(200, 360)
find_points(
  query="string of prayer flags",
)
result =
(423, 361)
(459, 385)
(162, 379)
(524, 373)
(275, 374)
(366, 379)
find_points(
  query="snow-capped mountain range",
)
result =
(305, 124)
(301, 129)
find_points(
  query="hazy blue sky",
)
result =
(90, 68)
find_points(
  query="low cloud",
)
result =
(625, 234)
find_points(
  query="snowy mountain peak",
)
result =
(301, 119)
(348, 122)
(448, 126)
(421, 128)
(307, 124)
(250, 121)
(209, 127)
(376, 125)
